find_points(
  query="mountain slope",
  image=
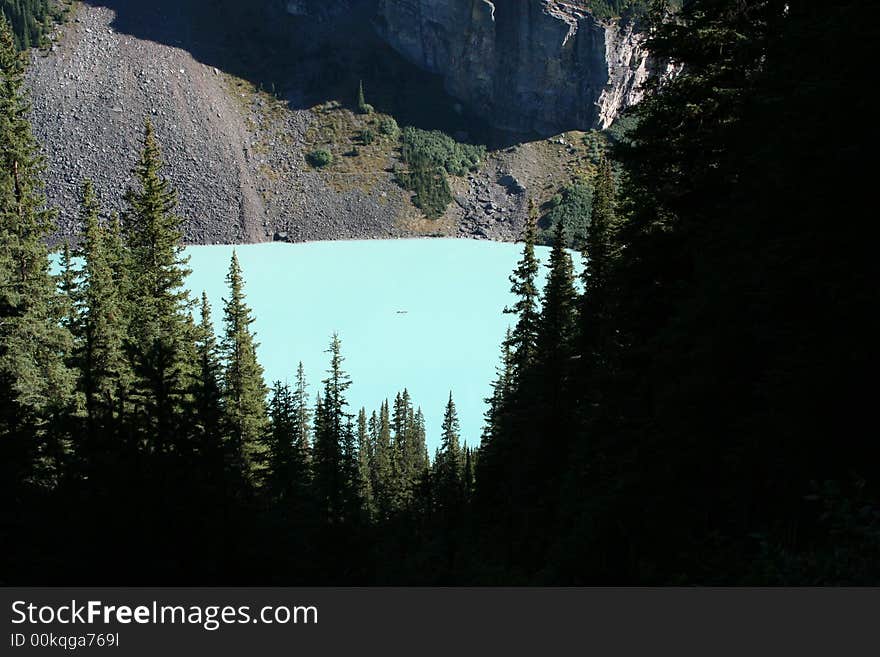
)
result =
(202, 71)
(92, 92)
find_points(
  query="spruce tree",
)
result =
(244, 390)
(383, 480)
(362, 106)
(523, 338)
(399, 452)
(409, 459)
(353, 505)
(602, 222)
(208, 394)
(103, 368)
(365, 458)
(544, 458)
(323, 475)
(468, 474)
(160, 329)
(594, 305)
(287, 471)
(509, 478)
(280, 442)
(332, 455)
(419, 448)
(501, 391)
(373, 434)
(303, 414)
(117, 261)
(68, 285)
(449, 464)
(557, 323)
(301, 431)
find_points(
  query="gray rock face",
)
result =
(542, 66)
(527, 65)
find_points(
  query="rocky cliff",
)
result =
(526, 66)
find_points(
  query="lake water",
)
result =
(425, 314)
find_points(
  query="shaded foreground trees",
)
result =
(725, 329)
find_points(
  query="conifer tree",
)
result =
(383, 482)
(419, 448)
(280, 441)
(35, 383)
(400, 475)
(353, 505)
(365, 458)
(208, 394)
(331, 458)
(103, 369)
(323, 476)
(399, 418)
(362, 105)
(159, 336)
(523, 337)
(468, 474)
(301, 431)
(544, 458)
(501, 391)
(409, 459)
(287, 472)
(498, 432)
(602, 221)
(594, 309)
(68, 284)
(365, 442)
(244, 390)
(303, 414)
(373, 434)
(117, 261)
(449, 464)
(557, 323)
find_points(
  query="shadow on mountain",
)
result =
(304, 60)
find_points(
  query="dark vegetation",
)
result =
(615, 8)
(31, 20)
(363, 106)
(428, 157)
(320, 158)
(388, 127)
(698, 415)
(572, 205)
(638, 9)
(572, 208)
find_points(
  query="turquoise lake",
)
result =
(421, 314)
